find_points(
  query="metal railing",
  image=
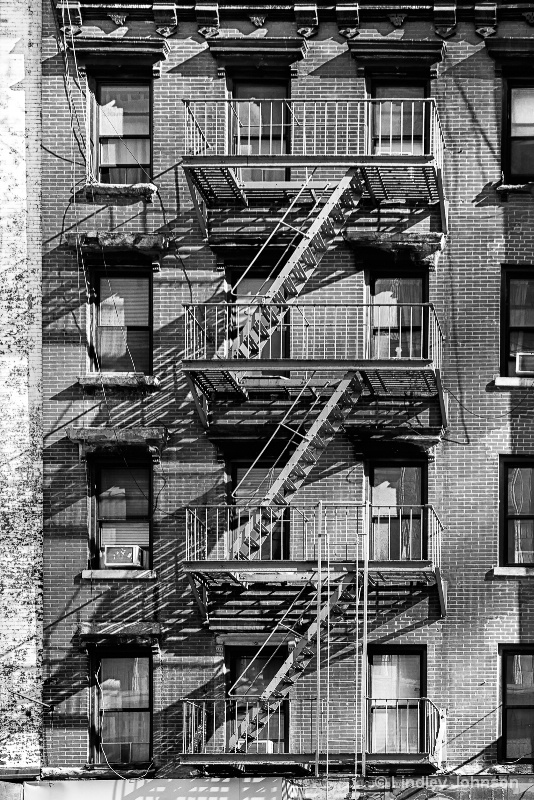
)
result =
(396, 533)
(407, 725)
(391, 127)
(318, 331)
(213, 725)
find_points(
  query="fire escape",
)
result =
(298, 575)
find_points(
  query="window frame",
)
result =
(378, 78)
(410, 461)
(129, 78)
(96, 656)
(508, 272)
(512, 82)
(506, 462)
(379, 272)
(124, 272)
(95, 467)
(506, 651)
(407, 649)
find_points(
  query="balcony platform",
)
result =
(304, 763)
(415, 179)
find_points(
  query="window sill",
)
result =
(119, 193)
(119, 380)
(511, 572)
(119, 575)
(514, 383)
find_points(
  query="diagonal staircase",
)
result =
(261, 523)
(276, 692)
(330, 220)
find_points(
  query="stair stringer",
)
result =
(298, 269)
(298, 467)
(296, 662)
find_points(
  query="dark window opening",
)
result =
(122, 516)
(518, 322)
(398, 512)
(399, 318)
(521, 133)
(518, 705)
(517, 510)
(260, 124)
(397, 711)
(250, 674)
(122, 708)
(124, 130)
(122, 340)
(400, 118)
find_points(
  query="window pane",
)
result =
(122, 350)
(523, 112)
(130, 151)
(126, 736)
(394, 486)
(125, 533)
(124, 110)
(522, 156)
(519, 679)
(521, 301)
(124, 493)
(520, 733)
(124, 174)
(520, 490)
(395, 729)
(395, 676)
(124, 301)
(521, 541)
(124, 682)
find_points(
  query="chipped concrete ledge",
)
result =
(95, 440)
(119, 575)
(119, 380)
(112, 240)
(119, 193)
(515, 188)
(423, 249)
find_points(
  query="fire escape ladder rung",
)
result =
(290, 671)
(330, 220)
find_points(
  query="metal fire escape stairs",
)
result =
(305, 649)
(330, 221)
(262, 521)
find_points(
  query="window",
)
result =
(398, 317)
(261, 124)
(122, 516)
(517, 504)
(521, 132)
(518, 317)
(122, 705)
(122, 341)
(398, 513)
(249, 675)
(396, 713)
(400, 118)
(123, 132)
(518, 705)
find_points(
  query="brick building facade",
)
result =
(287, 291)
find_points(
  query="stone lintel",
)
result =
(269, 51)
(113, 240)
(120, 193)
(104, 440)
(420, 248)
(396, 54)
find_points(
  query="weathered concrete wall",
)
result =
(20, 368)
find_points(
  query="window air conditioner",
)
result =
(264, 746)
(125, 555)
(524, 363)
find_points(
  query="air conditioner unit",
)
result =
(123, 555)
(524, 363)
(264, 746)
